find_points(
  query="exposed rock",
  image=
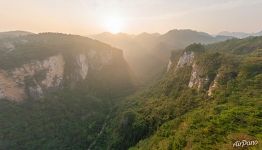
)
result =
(54, 75)
(9, 89)
(49, 73)
(83, 65)
(37, 64)
(196, 79)
(169, 65)
(213, 86)
(35, 91)
(186, 59)
(52, 66)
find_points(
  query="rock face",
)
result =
(186, 59)
(38, 75)
(169, 65)
(200, 79)
(34, 78)
(197, 80)
(9, 89)
(83, 65)
(214, 85)
(80, 67)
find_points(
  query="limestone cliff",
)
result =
(204, 67)
(48, 62)
(186, 59)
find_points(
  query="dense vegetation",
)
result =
(69, 116)
(168, 115)
(233, 113)
(64, 120)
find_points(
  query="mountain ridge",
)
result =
(239, 34)
(196, 104)
(148, 54)
(208, 96)
(54, 63)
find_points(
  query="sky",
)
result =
(86, 17)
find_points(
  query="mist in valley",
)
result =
(130, 75)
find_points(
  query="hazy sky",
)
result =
(132, 16)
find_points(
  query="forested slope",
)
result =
(209, 98)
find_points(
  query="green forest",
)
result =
(164, 115)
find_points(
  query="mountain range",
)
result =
(147, 53)
(61, 91)
(239, 34)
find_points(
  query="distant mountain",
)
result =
(258, 34)
(179, 39)
(13, 34)
(239, 34)
(61, 91)
(148, 53)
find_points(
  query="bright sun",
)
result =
(114, 24)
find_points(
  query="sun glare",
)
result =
(114, 24)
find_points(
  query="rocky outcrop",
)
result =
(50, 70)
(35, 90)
(38, 77)
(82, 65)
(213, 86)
(9, 89)
(34, 65)
(32, 79)
(169, 65)
(199, 78)
(186, 59)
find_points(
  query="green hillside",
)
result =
(64, 120)
(67, 116)
(170, 115)
(208, 99)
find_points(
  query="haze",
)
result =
(94, 16)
